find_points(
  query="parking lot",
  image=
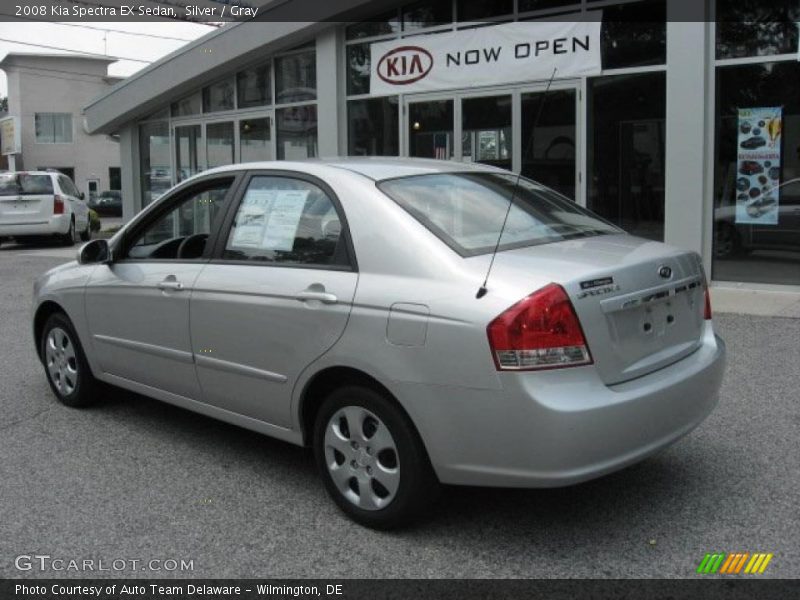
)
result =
(134, 478)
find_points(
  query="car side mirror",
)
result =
(94, 252)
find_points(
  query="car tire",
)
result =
(726, 241)
(86, 235)
(65, 364)
(68, 239)
(371, 458)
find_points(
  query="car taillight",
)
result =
(540, 332)
(58, 205)
(707, 307)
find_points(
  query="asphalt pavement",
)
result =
(135, 479)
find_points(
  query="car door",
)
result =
(276, 295)
(137, 307)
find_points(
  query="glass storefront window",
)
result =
(296, 129)
(427, 13)
(384, 24)
(486, 130)
(296, 78)
(430, 129)
(188, 151)
(475, 10)
(219, 144)
(154, 162)
(358, 66)
(218, 96)
(548, 153)
(190, 105)
(531, 5)
(757, 200)
(634, 35)
(626, 151)
(253, 87)
(255, 137)
(756, 28)
(372, 127)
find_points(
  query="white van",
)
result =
(39, 203)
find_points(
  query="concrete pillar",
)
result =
(330, 84)
(129, 171)
(688, 95)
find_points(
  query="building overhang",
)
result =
(219, 53)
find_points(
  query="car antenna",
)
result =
(483, 289)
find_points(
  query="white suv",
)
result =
(38, 203)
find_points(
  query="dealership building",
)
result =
(678, 121)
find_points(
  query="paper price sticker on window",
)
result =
(284, 219)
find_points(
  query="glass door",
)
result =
(430, 128)
(549, 148)
(486, 131)
(189, 151)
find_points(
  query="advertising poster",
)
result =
(758, 166)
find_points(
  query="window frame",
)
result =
(169, 202)
(232, 209)
(51, 115)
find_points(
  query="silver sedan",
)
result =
(417, 322)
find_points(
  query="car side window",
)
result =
(289, 221)
(66, 186)
(182, 232)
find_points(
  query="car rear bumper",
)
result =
(57, 224)
(560, 427)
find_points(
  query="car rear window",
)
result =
(467, 210)
(21, 184)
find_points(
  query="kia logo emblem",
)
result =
(664, 271)
(405, 65)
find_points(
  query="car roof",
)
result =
(376, 168)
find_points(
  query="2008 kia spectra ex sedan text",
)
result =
(343, 304)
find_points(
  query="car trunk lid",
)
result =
(640, 303)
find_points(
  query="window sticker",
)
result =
(269, 219)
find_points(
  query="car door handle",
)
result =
(323, 297)
(170, 284)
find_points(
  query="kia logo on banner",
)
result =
(499, 54)
(404, 65)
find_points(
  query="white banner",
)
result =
(758, 165)
(498, 54)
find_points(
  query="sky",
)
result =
(88, 37)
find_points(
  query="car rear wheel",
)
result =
(65, 363)
(68, 239)
(86, 234)
(371, 459)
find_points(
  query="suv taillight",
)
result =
(58, 205)
(707, 300)
(540, 332)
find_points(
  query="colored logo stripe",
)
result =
(733, 563)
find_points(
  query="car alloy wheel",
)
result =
(61, 361)
(362, 458)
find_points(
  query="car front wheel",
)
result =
(86, 234)
(371, 458)
(65, 363)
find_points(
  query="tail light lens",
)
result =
(540, 332)
(58, 205)
(707, 307)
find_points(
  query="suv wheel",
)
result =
(68, 239)
(86, 234)
(65, 363)
(371, 458)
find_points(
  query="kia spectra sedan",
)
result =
(358, 306)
